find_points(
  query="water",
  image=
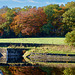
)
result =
(1, 72)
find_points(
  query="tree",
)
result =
(4, 9)
(69, 18)
(70, 38)
(16, 9)
(49, 11)
(2, 21)
(46, 30)
(61, 5)
(29, 22)
(54, 20)
(8, 16)
(70, 5)
(57, 21)
(26, 8)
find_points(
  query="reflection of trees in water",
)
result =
(69, 71)
(5, 70)
(23, 60)
(27, 70)
(63, 71)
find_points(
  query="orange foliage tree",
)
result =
(29, 22)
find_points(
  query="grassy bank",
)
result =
(59, 41)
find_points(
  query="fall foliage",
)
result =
(52, 20)
(27, 70)
(29, 22)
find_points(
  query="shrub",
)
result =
(70, 38)
(69, 71)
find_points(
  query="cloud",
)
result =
(48, 3)
(22, 1)
(32, 1)
(19, 1)
(61, 3)
(4, 0)
(55, 3)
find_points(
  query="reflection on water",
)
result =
(30, 70)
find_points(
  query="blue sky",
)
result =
(38, 3)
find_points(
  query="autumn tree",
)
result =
(4, 9)
(29, 22)
(26, 70)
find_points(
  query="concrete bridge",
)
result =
(3, 53)
(10, 55)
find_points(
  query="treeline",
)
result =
(48, 21)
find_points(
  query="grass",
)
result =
(58, 41)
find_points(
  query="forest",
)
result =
(48, 21)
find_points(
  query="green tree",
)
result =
(70, 38)
(70, 5)
(9, 15)
(47, 29)
(26, 8)
(49, 11)
(69, 18)
(54, 18)
(69, 71)
(16, 9)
